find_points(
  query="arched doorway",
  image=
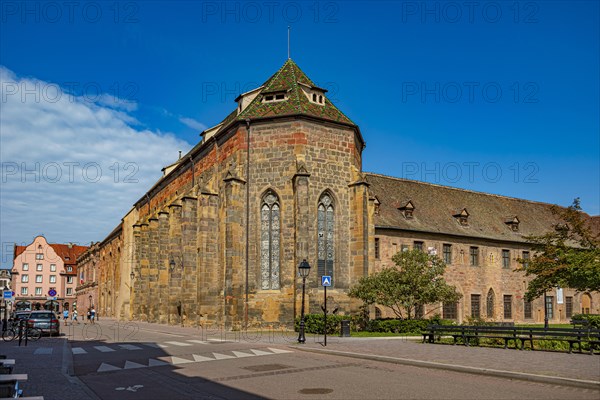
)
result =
(586, 303)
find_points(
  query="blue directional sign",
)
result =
(7, 294)
(325, 280)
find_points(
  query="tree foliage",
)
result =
(567, 256)
(415, 280)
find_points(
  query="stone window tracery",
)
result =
(270, 241)
(325, 240)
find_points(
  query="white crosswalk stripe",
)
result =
(179, 343)
(78, 350)
(104, 349)
(197, 341)
(130, 347)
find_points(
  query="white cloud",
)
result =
(192, 123)
(71, 169)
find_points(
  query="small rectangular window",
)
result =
(279, 97)
(38, 291)
(69, 279)
(25, 278)
(25, 267)
(52, 267)
(39, 267)
(38, 278)
(69, 291)
(525, 258)
(24, 290)
(474, 252)
(505, 258)
(418, 246)
(404, 247)
(475, 305)
(447, 250)
(450, 311)
(507, 306)
(69, 269)
(52, 278)
(39, 256)
(569, 306)
(550, 306)
(527, 313)
(377, 256)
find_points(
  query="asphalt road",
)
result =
(146, 361)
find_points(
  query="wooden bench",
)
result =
(520, 335)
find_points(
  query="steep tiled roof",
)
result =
(288, 79)
(436, 208)
(68, 253)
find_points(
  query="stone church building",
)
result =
(218, 239)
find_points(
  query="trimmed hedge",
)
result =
(313, 323)
(594, 319)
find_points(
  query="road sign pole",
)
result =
(325, 316)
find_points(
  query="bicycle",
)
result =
(12, 333)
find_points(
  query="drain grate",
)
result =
(266, 367)
(315, 391)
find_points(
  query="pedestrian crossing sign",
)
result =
(325, 280)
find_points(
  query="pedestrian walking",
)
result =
(89, 315)
(93, 314)
(74, 317)
(66, 316)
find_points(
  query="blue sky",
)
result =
(499, 96)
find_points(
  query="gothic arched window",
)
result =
(490, 303)
(269, 241)
(325, 245)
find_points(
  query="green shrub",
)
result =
(313, 323)
(594, 319)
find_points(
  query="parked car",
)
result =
(46, 321)
(19, 316)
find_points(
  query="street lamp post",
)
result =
(303, 270)
(172, 266)
(4, 320)
(545, 311)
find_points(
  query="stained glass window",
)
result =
(325, 245)
(269, 241)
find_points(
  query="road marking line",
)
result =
(179, 343)
(129, 347)
(131, 365)
(43, 350)
(261, 352)
(202, 358)
(241, 354)
(179, 360)
(219, 356)
(156, 363)
(279, 351)
(197, 341)
(78, 350)
(104, 349)
(107, 367)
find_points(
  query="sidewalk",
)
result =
(47, 363)
(581, 370)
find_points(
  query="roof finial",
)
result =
(289, 42)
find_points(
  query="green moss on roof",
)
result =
(287, 79)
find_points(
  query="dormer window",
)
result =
(407, 210)
(274, 97)
(462, 217)
(376, 203)
(513, 224)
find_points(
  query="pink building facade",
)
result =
(45, 275)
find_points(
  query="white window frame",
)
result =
(24, 290)
(39, 279)
(25, 278)
(69, 291)
(52, 278)
(25, 266)
(38, 291)
(39, 267)
(69, 279)
(52, 267)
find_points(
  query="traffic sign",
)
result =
(8, 294)
(325, 280)
(52, 292)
